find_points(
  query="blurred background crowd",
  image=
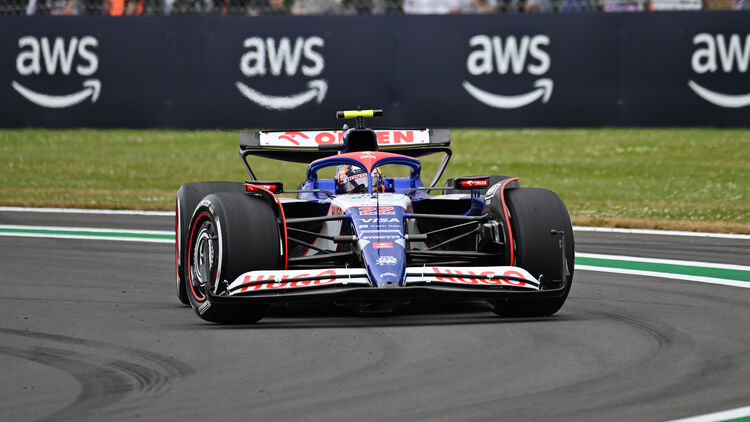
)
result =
(329, 7)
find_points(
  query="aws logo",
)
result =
(39, 56)
(509, 55)
(283, 57)
(717, 53)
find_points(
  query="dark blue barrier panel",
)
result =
(644, 69)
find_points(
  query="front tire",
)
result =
(188, 197)
(534, 213)
(230, 234)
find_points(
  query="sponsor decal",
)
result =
(204, 307)
(382, 227)
(491, 191)
(381, 236)
(313, 138)
(273, 187)
(207, 203)
(382, 201)
(310, 138)
(382, 245)
(497, 276)
(335, 210)
(386, 260)
(355, 177)
(388, 137)
(385, 210)
(389, 275)
(382, 220)
(290, 279)
(289, 136)
(271, 56)
(723, 54)
(510, 54)
(475, 183)
(457, 276)
(57, 56)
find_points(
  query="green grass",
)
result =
(694, 179)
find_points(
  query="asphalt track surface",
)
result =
(92, 330)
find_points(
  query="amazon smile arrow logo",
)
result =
(91, 88)
(316, 91)
(274, 57)
(725, 54)
(719, 99)
(543, 90)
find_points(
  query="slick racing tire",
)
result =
(534, 213)
(230, 234)
(188, 197)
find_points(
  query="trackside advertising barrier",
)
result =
(512, 70)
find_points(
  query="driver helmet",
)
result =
(353, 179)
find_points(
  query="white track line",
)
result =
(143, 236)
(725, 415)
(84, 237)
(123, 235)
(575, 228)
(87, 229)
(86, 211)
(661, 232)
(695, 278)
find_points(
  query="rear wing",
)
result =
(309, 145)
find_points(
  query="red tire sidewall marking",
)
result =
(190, 253)
(507, 220)
(177, 241)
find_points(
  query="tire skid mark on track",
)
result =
(101, 386)
(522, 406)
(111, 377)
(686, 358)
(376, 374)
(639, 381)
(282, 402)
(646, 380)
(692, 368)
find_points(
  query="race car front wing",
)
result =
(353, 284)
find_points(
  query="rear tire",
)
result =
(534, 213)
(188, 197)
(230, 234)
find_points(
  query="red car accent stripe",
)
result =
(283, 219)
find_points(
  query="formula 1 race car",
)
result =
(364, 240)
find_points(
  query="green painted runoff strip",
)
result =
(729, 274)
(667, 268)
(91, 233)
